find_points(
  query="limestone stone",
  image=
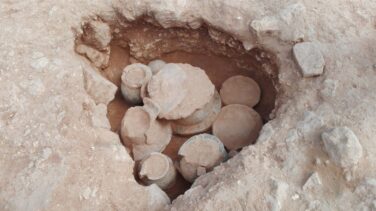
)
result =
(309, 58)
(266, 24)
(313, 182)
(99, 118)
(366, 191)
(97, 34)
(266, 133)
(343, 146)
(98, 58)
(278, 195)
(329, 89)
(99, 88)
(237, 126)
(309, 127)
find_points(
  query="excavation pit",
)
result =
(220, 55)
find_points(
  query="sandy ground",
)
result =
(57, 151)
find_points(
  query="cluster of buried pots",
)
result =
(180, 99)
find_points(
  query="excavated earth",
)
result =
(60, 115)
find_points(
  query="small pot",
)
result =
(157, 169)
(200, 154)
(133, 78)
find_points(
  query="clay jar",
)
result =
(141, 132)
(237, 126)
(240, 90)
(179, 90)
(134, 77)
(166, 88)
(200, 154)
(156, 65)
(157, 169)
(201, 120)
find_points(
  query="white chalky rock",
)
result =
(366, 191)
(310, 125)
(39, 63)
(342, 146)
(278, 195)
(309, 59)
(97, 34)
(312, 182)
(98, 58)
(266, 133)
(156, 65)
(329, 89)
(98, 87)
(34, 87)
(98, 118)
(266, 24)
(292, 12)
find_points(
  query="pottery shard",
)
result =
(240, 90)
(309, 58)
(200, 154)
(266, 24)
(237, 126)
(342, 146)
(99, 88)
(166, 88)
(97, 34)
(200, 91)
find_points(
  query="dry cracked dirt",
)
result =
(61, 105)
